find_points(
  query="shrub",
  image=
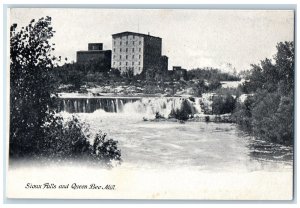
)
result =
(71, 140)
(206, 118)
(106, 149)
(223, 104)
(183, 113)
(158, 116)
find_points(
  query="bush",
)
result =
(71, 140)
(106, 149)
(66, 140)
(268, 116)
(223, 104)
(183, 113)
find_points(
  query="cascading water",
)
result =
(147, 106)
(89, 105)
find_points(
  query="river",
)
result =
(162, 159)
(168, 144)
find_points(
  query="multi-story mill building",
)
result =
(137, 52)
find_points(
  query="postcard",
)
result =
(185, 104)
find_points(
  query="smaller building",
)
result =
(164, 63)
(95, 54)
(179, 73)
(95, 46)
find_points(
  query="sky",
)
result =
(225, 39)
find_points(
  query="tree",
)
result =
(271, 77)
(243, 114)
(75, 76)
(270, 115)
(285, 64)
(31, 86)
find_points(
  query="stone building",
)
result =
(95, 54)
(137, 52)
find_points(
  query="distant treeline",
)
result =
(94, 72)
(211, 74)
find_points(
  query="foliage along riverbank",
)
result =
(269, 112)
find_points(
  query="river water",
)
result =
(198, 145)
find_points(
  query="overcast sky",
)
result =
(190, 38)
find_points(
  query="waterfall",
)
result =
(91, 104)
(147, 106)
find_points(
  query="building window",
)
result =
(140, 42)
(126, 42)
(114, 43)
(139, 63)
(139, 56)
(114, 63)
(120, 42)
(132, 42)
(114, 50)
(140, 49)
(120, 49)
(120, 57)
(126, 63)
(126, 49)
(132, 63)
(133, 56)
(120, 63)
(126, 56)
(132, 49)
(114, 56)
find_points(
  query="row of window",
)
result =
(129, 68)
(126, 42)
(126, 57)
(127, 63)
(140, 49)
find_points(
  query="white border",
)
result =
(210, 2)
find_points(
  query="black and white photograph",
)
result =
(177, 104)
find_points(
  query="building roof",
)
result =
(133, 33)
(94, 51)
